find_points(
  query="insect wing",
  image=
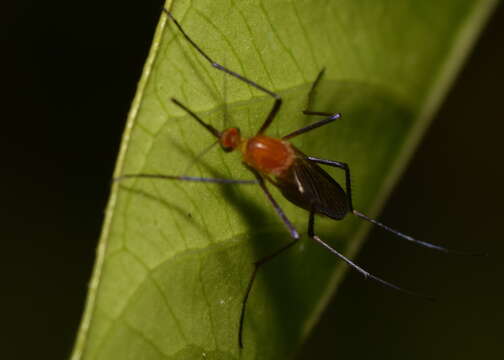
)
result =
(308, 186)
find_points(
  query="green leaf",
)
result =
(175, 257)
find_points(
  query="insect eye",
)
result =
(230, 139)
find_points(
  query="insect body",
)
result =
(298, 177)
(300, 180)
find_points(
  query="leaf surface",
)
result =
(175, 257)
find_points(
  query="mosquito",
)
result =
(297, 176)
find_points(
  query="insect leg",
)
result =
(257, 265)
(292, 230)
(415, 241)
(367, 275)
(313, 89)
(330, 116)
(209, 127)
(185, 178)
(345, 167)
(278, 99)
(330, 119)
(294, 234)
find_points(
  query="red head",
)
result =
(230, 139)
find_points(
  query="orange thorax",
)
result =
(268, 155)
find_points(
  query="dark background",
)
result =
(69, 75)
